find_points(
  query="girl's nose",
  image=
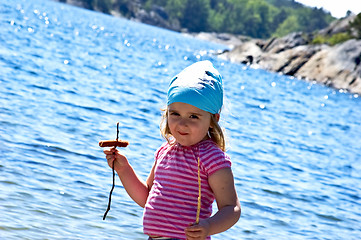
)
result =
(183, 122)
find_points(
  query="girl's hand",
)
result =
(198, 231)
(113, 155)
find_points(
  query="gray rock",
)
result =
(246, 53)
(338, 26)
(338, 66)
(276, 45)
(288, 61)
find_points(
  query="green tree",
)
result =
(291, 24)
(195, 15)
(278, 19)
(234, 11)
(310, 19)
(175, 8)
(255, 18)
(216, 18)
(101, 5)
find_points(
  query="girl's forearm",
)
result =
(136, 188)
(224, 219)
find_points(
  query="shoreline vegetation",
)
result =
(330, 56)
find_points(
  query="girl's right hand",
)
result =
(113, 155)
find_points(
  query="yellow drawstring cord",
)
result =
(199, 194)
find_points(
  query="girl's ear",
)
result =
(217, 116)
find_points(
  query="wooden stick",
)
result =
(113, 143)
(110, 194)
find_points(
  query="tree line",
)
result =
(254, 18)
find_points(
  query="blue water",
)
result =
(67, 75)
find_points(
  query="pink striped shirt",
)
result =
(172, 202)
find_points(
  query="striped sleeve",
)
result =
(214, 159)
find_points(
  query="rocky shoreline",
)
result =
(334, 66)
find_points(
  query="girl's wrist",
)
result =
(205, 223)
(120, 169)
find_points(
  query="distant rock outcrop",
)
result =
(336, 66)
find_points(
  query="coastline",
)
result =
(335, 66)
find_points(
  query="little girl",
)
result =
(193, 157)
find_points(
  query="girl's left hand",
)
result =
(197, 231)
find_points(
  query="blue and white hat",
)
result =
(199, 85)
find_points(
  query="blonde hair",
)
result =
(215, 132)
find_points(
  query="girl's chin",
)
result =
(186, 143)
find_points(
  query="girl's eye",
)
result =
(194, 117)
(174, 114)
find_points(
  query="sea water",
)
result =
(68, 75)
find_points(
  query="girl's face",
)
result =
(187, 123)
